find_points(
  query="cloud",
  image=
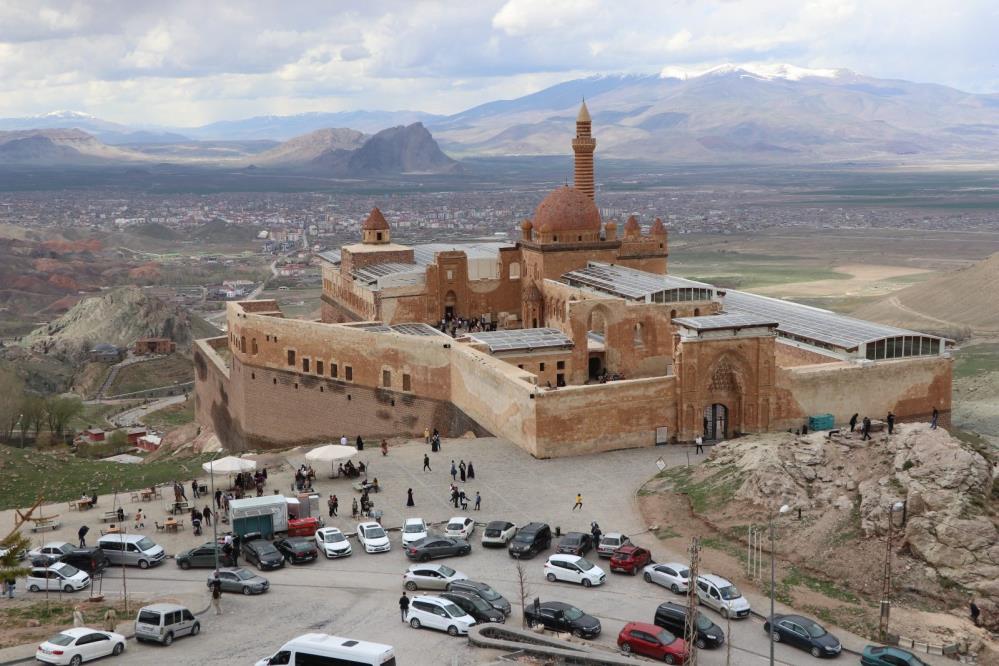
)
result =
(190, 61)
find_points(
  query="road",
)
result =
(129, 418)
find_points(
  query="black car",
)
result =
(434, 546)
(91, 560)
(673, 617)
(475, 606)
(488, 594)
(297, 549)
(805, 634)
(575, 543)
(558, 616)
(206, 555)
(531, 539)
(262, 553)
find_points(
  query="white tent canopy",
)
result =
(229, 465)
(330, 453)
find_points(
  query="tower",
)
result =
(583, 146)
(375, 230)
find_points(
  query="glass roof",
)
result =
(627, 282)
(733, 320)
(522, 339)
(416, 328)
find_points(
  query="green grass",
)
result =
(976, 359)
(726, 546)
(171, 417)
(172, 369)
(747, 275)
(96, 414)
(795, 577)
(60, 477)
(666, 533)
(710, 493)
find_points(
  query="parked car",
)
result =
(877, 655)
(240, 580)
(203, 556)
(332, 542)
(630, 559)
(673, 618)
(131, 549)
(20, 556)
(49, 553)
(460, 527)
(530, 540)
(413, 529)
(719, 594)
(297, 550)
(803, 633)
(373, 537)
(575, 543)
(80, 644)
(488, 594)
(164, 622)
(262, 553)
(498, 533)
(433, 547)
(91, 560)
(573, 569)
(649, 640)
(476, 606)
(558, 616)
(438, 613)
(59, 576)
(610, 542)
(672, 575)
(430, 577)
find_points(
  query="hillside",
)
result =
(58, 146)
(400, 149)
(119, 317)
(310, 147)
(964, 301)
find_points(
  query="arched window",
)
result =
(515, 270)
(639, 335)
(697, 312)
(672, 314)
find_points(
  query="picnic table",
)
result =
(172, 525)
(147, 495)
(177, 507)
(84, 503)
(109, 517)
(112, 529)
(43, 524)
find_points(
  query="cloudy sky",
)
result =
(191, 62)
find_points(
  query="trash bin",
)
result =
(558, 531)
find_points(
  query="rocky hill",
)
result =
(58, 146)
(409, 149)
(955, 304)
(311, 147)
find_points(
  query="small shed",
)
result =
(134, 434)
(267, 515)
(149, 442)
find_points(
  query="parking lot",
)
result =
(357, 596)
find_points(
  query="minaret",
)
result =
(583, 145)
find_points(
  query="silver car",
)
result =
(238, 579)
(674, 575)
(430, 577)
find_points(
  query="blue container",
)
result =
(821, 422)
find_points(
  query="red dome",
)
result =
(567, 209)
(375, 222)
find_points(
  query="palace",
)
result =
(574, 339)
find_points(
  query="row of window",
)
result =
(348, 371)
(903, 346)
(682, 295)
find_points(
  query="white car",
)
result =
(75, 646)
(332, 542)
(373, 537)
(573, 569)
(51, 551)
(719, 594)
(59, 576)
(460, 527)
(430, 577)
(673, 575)
(610, 542)
(437, 613)
(498, 533)
(413, 529)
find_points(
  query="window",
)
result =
(450, 275)
(242, 343)
(305, 365)
(407, 383)
(697, 312)
(291, 357)
(378, 236)
(515, 271)
(560, 365)
(319, 367)
(386, 378)
(639, 337)
(253, 346)
(348, 373)
(333, 369)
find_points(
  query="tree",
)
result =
(118, 439)
(523, 590)
(60, 410)
(11, 396)
(11, 550)
(32, 413)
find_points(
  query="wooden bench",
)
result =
(109, 517)
(44, 525)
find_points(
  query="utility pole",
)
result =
(886, 575)
(773, 574)
(690, 627)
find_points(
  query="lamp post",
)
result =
(896, 507)
(215, 523)
(773, 573)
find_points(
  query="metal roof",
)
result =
(628, 282)
(332, 256)
(529, 339)
(424, 254)
(416, 328)
(813, 323)
(371, 273)
(719, 321)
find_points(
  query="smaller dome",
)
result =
(526, 225)
(658, 228)
(375, 221)
(632, 224)
(611, 225)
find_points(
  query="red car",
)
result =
(650, 640)
(629, 559)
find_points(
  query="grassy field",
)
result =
(172, 369)
(296, 302)
(95, 414)
(976, 359)
(59, 477)
(171, 417)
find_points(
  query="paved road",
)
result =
(132, 416)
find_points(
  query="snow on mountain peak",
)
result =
(66, 114)
(761, 70)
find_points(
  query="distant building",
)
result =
(93, 435)
(135, 434)
(106, 353)
(149, 442)
(145, 346)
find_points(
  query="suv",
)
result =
(629, 559)
(530, 540)
(495, 599)
(164, 622)
(611, 542)
(673, 617)
(721, 595)
(91, 560)
(438, 613)
(476, 606)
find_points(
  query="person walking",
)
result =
(865, 428)
(217, 594)
(454, 496)
(461, 470)
(471, 470)
(853, 422)
(890, 420)
(329, 502)
(595, 531)
(933, 421)
(11, 584)
(353, 509)
(426, 463)
(218, 499)
(111, 620)
(336, 506)
(975, 612)
(384, 448)
(360, 443)
(78, 616)
(194, 488)
(140, 520)
(403, 606)
(699, 443)
(454, 472)
(426, 435)
(409, 498)
(207, 515)
(478, 500)
(343, 440)
(579, 502)
(82, 534)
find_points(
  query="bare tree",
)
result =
(60, 410)
(11, 397)
(524, 590)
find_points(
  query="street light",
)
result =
(773, 573)
(896, 507)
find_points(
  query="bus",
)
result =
(326, 650)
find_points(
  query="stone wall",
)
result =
(790, 355)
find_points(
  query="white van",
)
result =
(721, 595)
(326, 650)
(133, 549)
(438, 613)
(59, 576)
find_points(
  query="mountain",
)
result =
(282, 128)
(409, 149)
(107, 132)
(310, 147)
(58, 146)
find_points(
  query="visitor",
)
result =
(217, 594)
(461, 470)
(699, 443)
(579, 502)
(426, 435)
(454, 471)
(865, 428)
(194, 488)
(409, 497)
(384, 447)
(403, 605)
(478, 500)
(360, 443)
(426, 463)
(890, 420)
(853, 422)
(933, 421)
(82, 534)
(207, 515)
(471, 470)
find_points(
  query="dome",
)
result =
(526, 225)
(632, 224)
(567, 209)
(375, 221)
